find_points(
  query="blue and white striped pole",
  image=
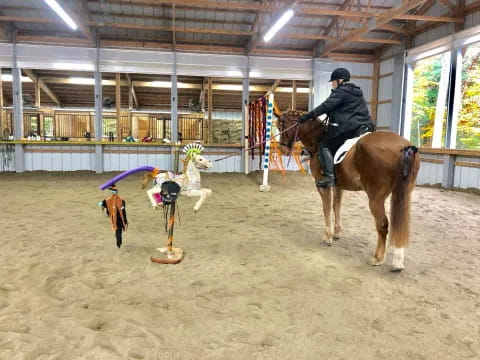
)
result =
(268, 138)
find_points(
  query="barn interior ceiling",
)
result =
(340, 29)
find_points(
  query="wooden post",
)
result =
(210, 99)
(37, 93)
(130, 103)
(118, 104)
(294, 95)
(376, 79)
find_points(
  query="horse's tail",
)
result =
(401, 196)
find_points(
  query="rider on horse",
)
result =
(349, 118)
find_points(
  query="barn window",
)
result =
(466, 115)
(428, 107)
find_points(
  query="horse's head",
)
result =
(288, 127)
(291, 130)
(200, 162)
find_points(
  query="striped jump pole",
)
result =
(268, 138)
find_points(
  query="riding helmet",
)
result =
(340, 73)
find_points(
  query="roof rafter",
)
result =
(33, 76)
(372, 24)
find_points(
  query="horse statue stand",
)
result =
(167, 186)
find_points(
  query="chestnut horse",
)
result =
(380, 163)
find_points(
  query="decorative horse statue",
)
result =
(189, 180)
(380, 163)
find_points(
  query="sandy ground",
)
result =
(256, 282)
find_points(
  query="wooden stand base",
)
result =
(168, 257)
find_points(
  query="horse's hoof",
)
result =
(328, 242)
(396, 269)
(336, 237)
(375, 262)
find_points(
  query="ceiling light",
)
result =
(60, 12)
(278, 25)
(9, 78)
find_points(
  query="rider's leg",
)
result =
(325, 157)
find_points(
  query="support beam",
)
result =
(131, 90)
(210, 105)
(38, 102)
(201, 99)
(78, 17)
(3, 32)
(430, 18)
(174, 109)
(397, 91)
(17, 103)
(324, 37)
(98, 107)
(376, 79)
(425, 7)
(174, 39)
(118, 106)
(294, 95)
(273, 87)
(245, 98)
(330, 27)
(460, 12)
(33, 76)
(448, 5)
(373, 24)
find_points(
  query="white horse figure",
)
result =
(189, 180)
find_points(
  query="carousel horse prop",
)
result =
(380, 163)
(189, 180)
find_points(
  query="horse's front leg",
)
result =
(327, 200)
(337, 206)
(150, 196)
(203, 193)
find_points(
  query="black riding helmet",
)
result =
(340, 73)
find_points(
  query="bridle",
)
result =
(290, 140)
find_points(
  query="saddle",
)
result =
(347, 145)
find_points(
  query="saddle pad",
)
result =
(343, 150)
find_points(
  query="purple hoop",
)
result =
(125, 174)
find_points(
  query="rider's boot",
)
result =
(326, 161)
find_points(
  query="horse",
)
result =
(189, 180)
(380, 163)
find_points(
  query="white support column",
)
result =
(17, 103)
(398, 91)
(457, 101)
(98, 117)
(174, 109)
(245, 119)
(174, 116)
(441, 101)
(268, 137)
(407, 123)
(17, 111)
(311, 87)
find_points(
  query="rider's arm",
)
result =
(334, 101)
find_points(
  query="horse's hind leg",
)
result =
(337, 205)
(377, 207)
(327, 199)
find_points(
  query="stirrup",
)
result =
(325, 182)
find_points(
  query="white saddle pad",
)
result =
(343, 150)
